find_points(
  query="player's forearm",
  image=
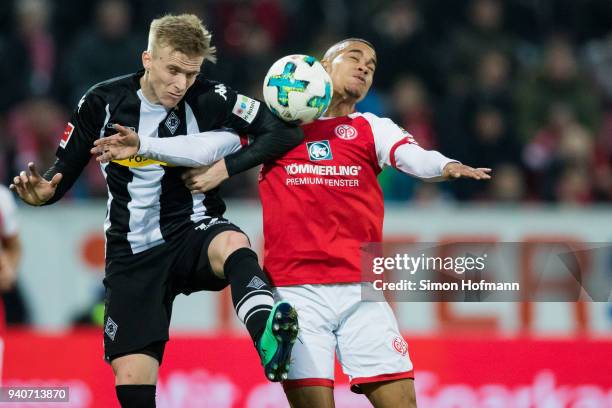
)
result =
(418, 162)
(195, 150)
(70, 174)
(266, 147)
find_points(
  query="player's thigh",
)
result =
(391, 394)
(312, 357)
(135, 369)
(138, 302)
(308, 397)
(216, 239)
(370, 346)
(193, 268)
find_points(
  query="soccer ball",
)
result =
(297, 89)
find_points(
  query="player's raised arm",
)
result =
(397, 148)
(72, 155)
(32, 188)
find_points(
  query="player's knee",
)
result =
(222, 246)
(233, 242)
(135, 369)
(130, 376)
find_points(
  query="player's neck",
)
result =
(341, 106)
(147, 90)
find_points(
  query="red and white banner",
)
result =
(223, 370)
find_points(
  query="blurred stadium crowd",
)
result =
(522, 86)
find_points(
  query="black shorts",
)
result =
(141, 288)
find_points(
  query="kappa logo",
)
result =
(111, 126)
(400, 345)
(319, 150)
(256, 283)
(206, 224)
(173, 122)
(345, 132)
(81, 103)
(221, 90)
(111, 328)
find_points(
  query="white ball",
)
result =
(297, 89)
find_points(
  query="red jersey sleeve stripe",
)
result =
(244, 139)
(394, 148)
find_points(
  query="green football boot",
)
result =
(275, 344)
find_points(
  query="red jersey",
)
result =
(322, 201)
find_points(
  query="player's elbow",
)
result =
(294, 136)
(206, 157)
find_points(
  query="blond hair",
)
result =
(184, 33)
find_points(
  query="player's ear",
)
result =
(146, 60)
(326, 65)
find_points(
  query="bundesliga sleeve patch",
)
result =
(246, 108)
(67, 134)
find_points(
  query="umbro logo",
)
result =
(173, 122)
(256, 283)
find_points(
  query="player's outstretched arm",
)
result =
(33, 189)
(396, 147)
(194, 150)
(431, 165)
(457, 170)
(122, 145)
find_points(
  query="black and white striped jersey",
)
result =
(148, 203)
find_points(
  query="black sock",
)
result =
(136, 395)
(251, 293)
